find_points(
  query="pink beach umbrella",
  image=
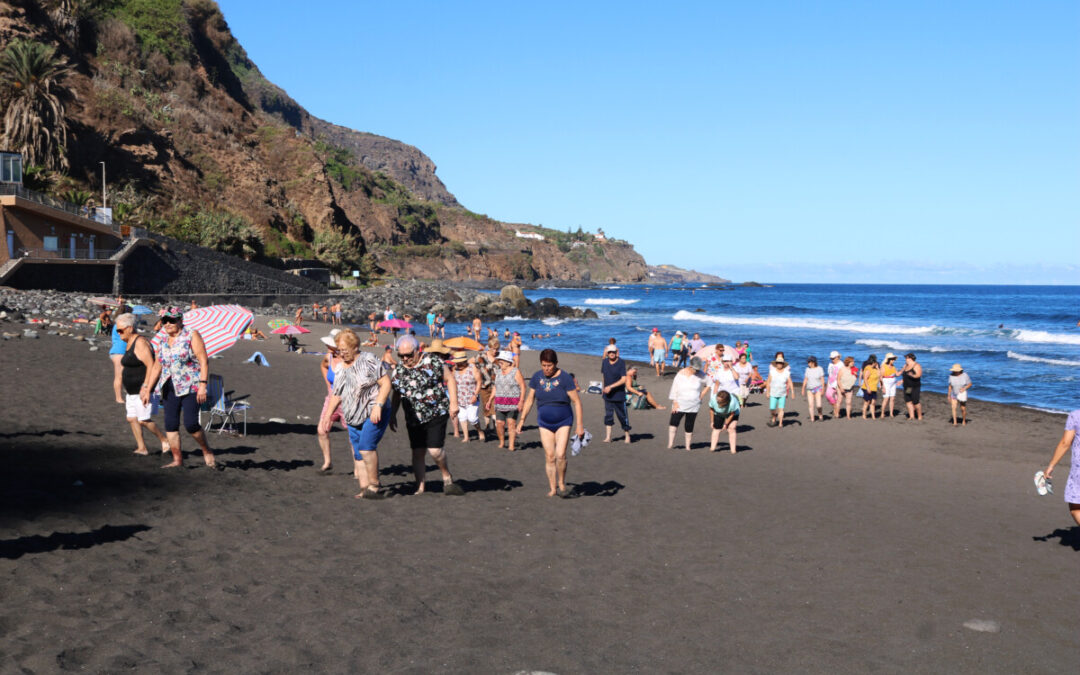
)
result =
(290, 329)
(396, 323)
(219, 325)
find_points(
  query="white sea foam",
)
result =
(611, 301)
(903, 347)
(1046, 410)
(813, 324)
(889, 344)
(552, 321)
(1043, 337)
(1039, 359)
(516, 317)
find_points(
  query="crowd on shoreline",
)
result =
(437, 387)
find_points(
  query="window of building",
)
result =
(51, 243)
(10, 168)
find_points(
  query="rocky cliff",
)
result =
(200, 146)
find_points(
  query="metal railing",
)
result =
(64, 254)
(58, 204)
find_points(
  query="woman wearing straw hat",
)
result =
(779, 386)
(329, 364)
(959, 383)
(468, 396)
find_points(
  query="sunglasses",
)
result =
(407, 356)
(170, 319)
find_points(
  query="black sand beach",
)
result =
(848, 546)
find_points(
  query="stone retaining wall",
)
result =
(159, 265)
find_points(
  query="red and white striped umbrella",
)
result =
(220, 326)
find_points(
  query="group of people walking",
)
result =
(175, 377)
(364, 393)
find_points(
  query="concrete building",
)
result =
(42, 233)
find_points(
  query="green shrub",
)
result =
(159, 25)
(340, 251)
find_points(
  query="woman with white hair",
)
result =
(424, 386)
(181, 372)
(137, 363)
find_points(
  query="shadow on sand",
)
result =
(14, 548)
(1069, 537)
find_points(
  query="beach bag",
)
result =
(830, 395)
(637, 402)
(594, 388)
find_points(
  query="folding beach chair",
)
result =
(218, 404)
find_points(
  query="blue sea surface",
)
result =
(1019, 344)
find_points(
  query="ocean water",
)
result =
(1019, 344)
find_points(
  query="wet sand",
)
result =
(838, 546)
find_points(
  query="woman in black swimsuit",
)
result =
(136, 362)
(912, 373)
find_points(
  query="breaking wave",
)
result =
(1039, 359)
(611, 301)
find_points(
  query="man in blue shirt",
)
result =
(613, 370)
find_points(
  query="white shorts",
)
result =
(888, 384)
(469, 413)
(136, 409)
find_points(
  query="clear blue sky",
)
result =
(780, 141)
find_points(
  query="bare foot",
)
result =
(733, 451)
(607, 440)
(501, 446)
(419, 490)
(512, 448)
(551, 494)
(171, 465)
(670, 447)
(626, 439)
(141, 451)
(482, 439)
(120, 400)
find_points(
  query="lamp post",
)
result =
(103, 202)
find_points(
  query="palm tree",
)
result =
(32, 94)
(65, 16)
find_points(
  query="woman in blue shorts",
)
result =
(362, 391)
(557, 406)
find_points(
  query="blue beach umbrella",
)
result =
(141, 309)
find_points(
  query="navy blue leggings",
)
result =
(173, 404)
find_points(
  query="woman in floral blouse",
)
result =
(181, 371)
(427, 390)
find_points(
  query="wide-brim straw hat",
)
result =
(460, 357)
(956, 368)
(438, 347)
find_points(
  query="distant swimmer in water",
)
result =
(1001, 325)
